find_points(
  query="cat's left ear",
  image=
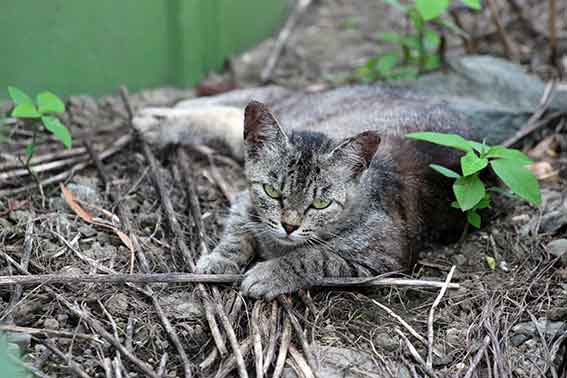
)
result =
(356, 153)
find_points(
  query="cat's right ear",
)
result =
(262, 132)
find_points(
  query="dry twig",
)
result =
(477, 357)
(416, 355)
(300, 8)
(432, 315)
(284, 347)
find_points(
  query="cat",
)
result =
(335, 189)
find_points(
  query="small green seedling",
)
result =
(38, 114)
(470, 191)
(417, 50)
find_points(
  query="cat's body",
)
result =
(335, 189)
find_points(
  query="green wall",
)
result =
(91, 47)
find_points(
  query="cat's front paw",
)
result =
(215, 263)
(267, 280)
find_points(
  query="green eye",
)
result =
(272, 192)
(320, 203)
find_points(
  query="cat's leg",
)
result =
(306, 266)
(236, 247)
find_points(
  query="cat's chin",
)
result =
(286, 241)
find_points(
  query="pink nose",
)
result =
(289, 228)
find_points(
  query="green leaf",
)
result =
(431, 39)
(518, 178)
(471, 164)
(430, 9)
(491, 262)
(25, 110)
(469, 191)
(502, 191)
(473, 218)
(19, 96)
(481, 148)
(484, 203)
(473, 4)
(47, 102)
(58, 130)
(445, 171)
(410, 41)
(386, 63)
(404, 73)
(449, 25)
(390, 37)
(510, 154)
(432, 62)
(455, 205)
(449, 140)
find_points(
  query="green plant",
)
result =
(470, 191)
(419, 49)
(39, 114)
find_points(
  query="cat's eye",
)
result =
(272, 192)
(321, 203)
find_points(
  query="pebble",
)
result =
(558, 248)
(51, 323)
(386, 341)
(459, 259)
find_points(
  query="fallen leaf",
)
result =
(491, 262)
(543, 170)
(89, 218)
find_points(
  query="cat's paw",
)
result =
(266, 280)
(215, 263)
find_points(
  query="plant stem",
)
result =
(29, 168)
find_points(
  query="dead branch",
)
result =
(477, 357)
(432, 315)
(284, 347)
(230, 363)
(302, 365)
(47, 332)
(258, 354)
(534, 123)
(197, 219)
(416, 355)
(504, 38)
(58, 155)
(283, 301)
(111, 150)
(174, 224)
(65, 357)
(273, 327)
(405, 324)
(234, 279)
(299, 9)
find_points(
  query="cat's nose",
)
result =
(289, 228)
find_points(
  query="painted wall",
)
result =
(86, 46)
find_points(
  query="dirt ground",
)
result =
(508, 318)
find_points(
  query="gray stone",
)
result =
(118, 304)
(85, 189)
(386, 341)
(51, 323)
(99, 252)
(547, 327)
(558, 248)
(87, 231)
(336, 362)
(459, 259)
(183, 305)
(519, 338)
(20, 216)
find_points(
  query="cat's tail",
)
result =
(204, 120)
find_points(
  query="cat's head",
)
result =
(300, 183)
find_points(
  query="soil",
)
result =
(511, 272)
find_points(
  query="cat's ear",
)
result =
(262, 132)
(355, 153)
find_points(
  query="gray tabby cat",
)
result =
(334, 187)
